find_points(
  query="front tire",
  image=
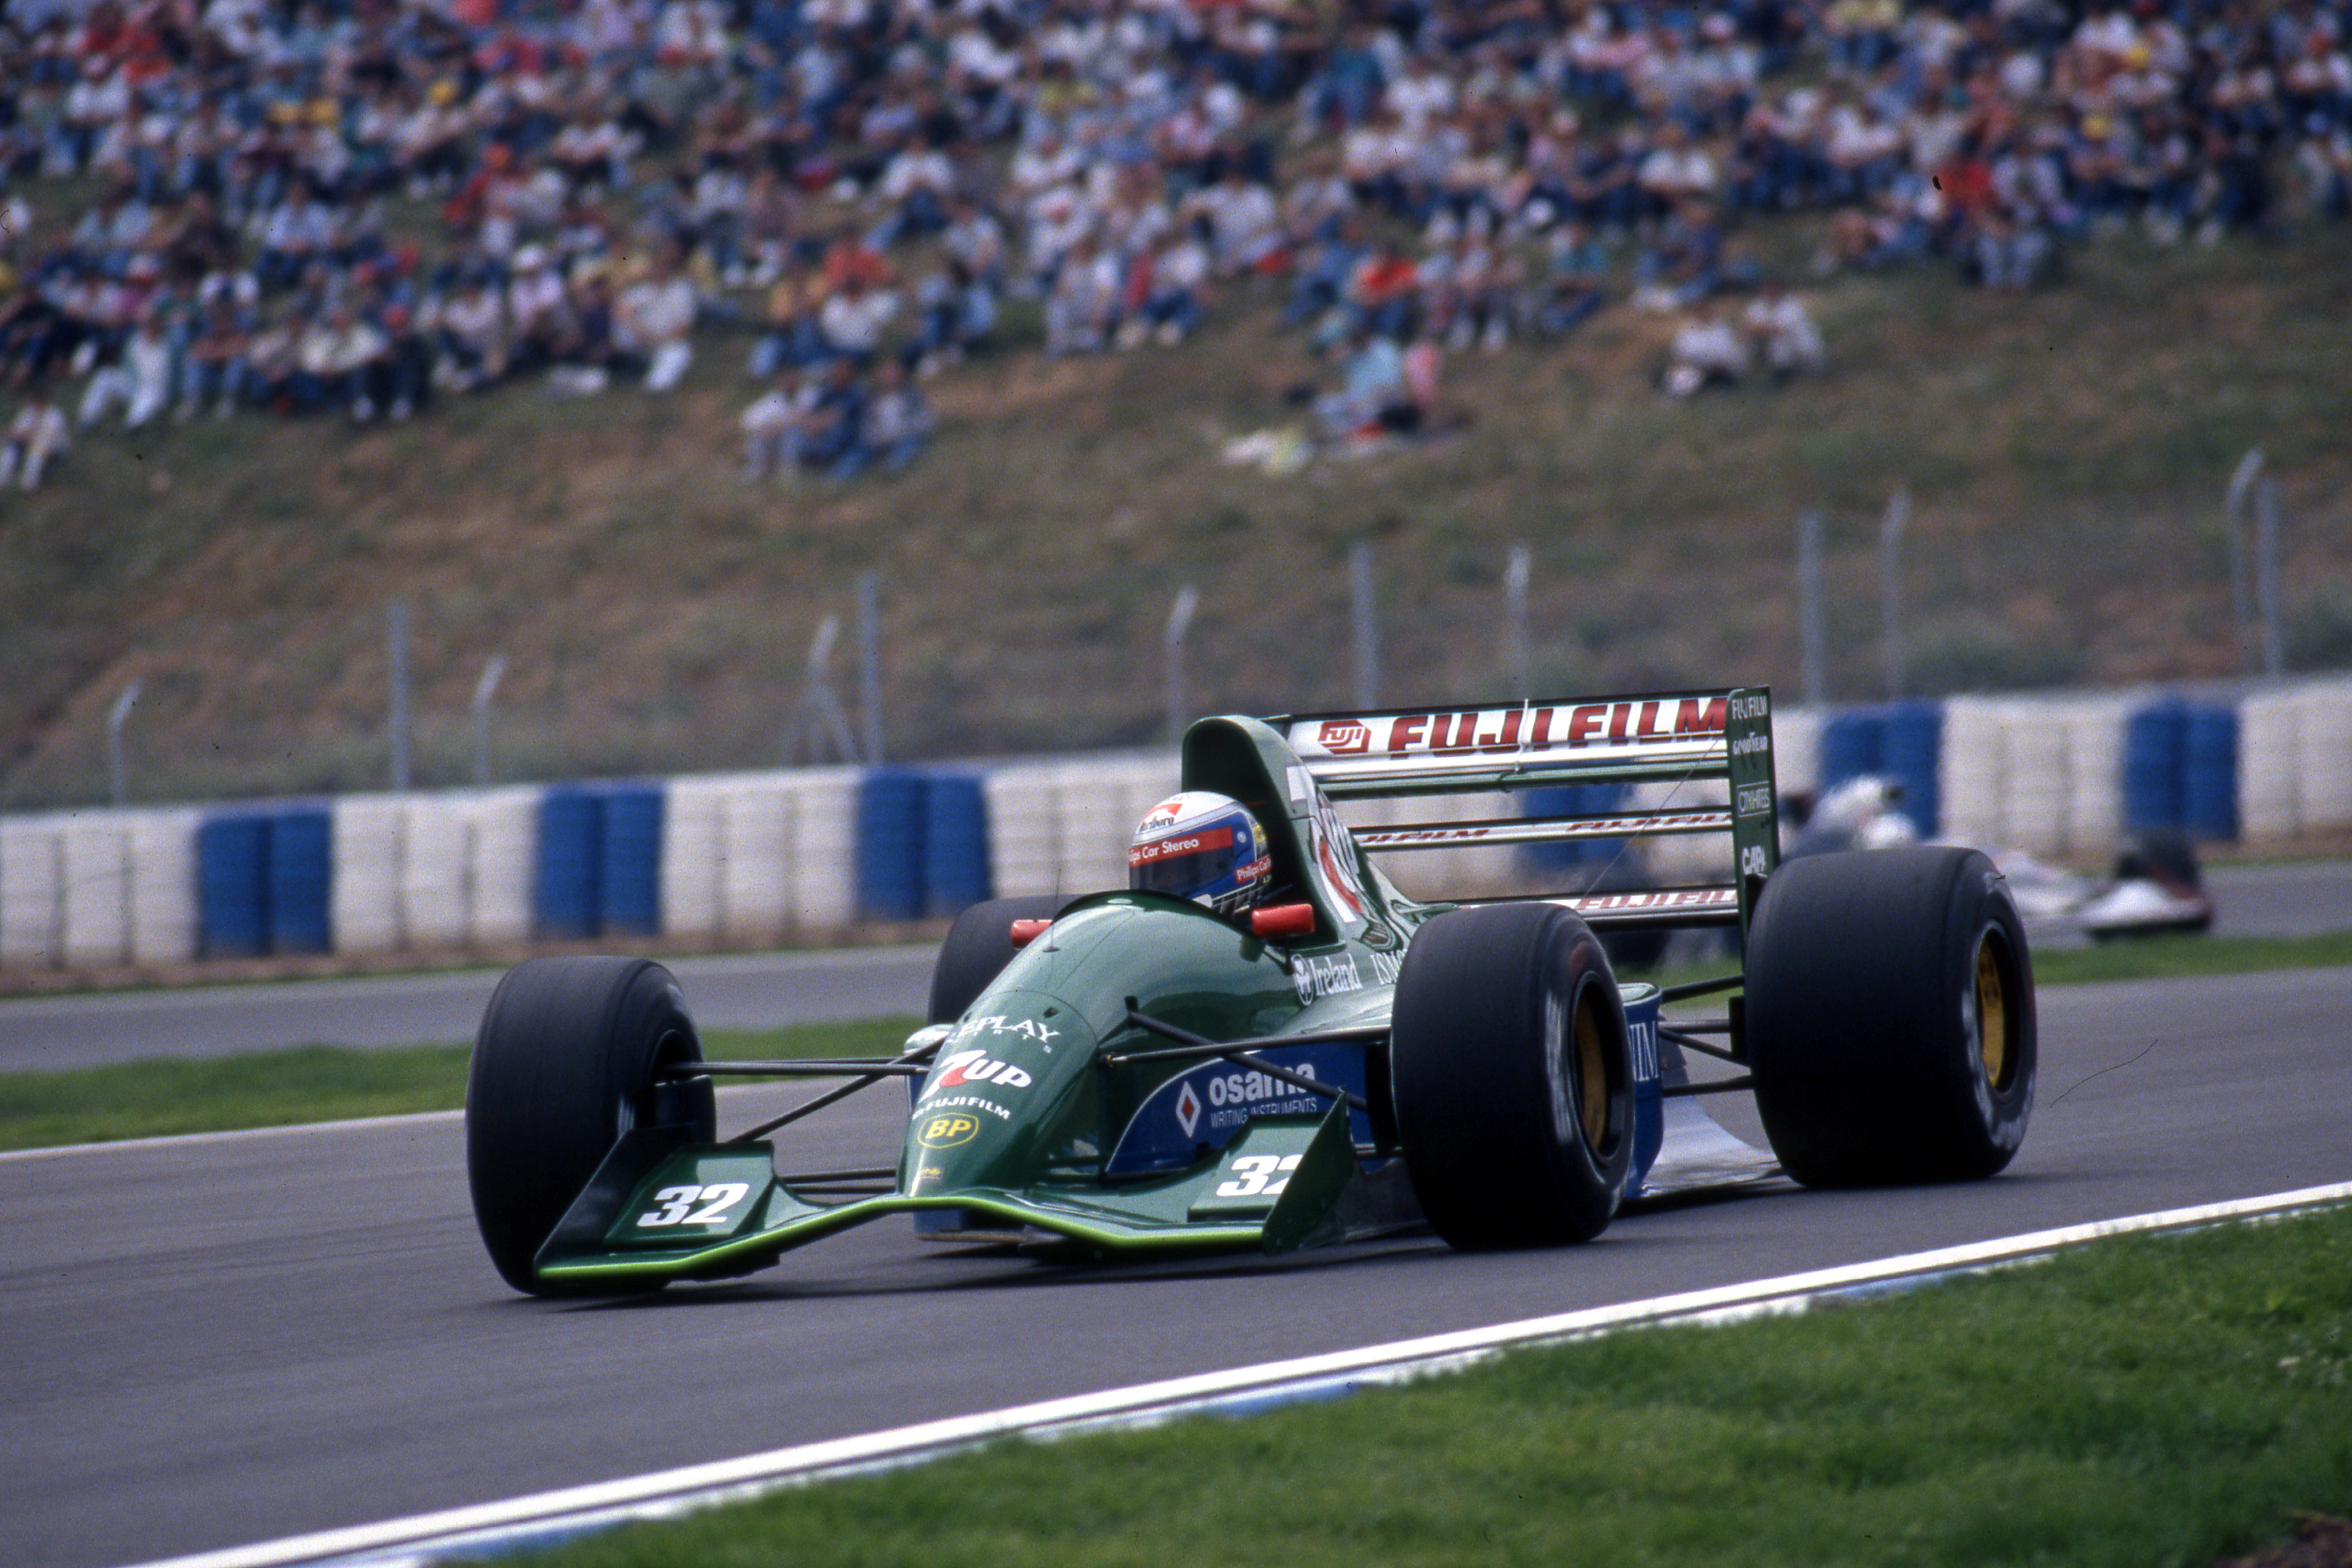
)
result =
(562, 1067)
(1512, 1077)
(1890, 1017)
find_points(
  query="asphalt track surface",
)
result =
(219, 1340)
(755, 991)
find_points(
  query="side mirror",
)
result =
(1023, 933)
(1283, 922)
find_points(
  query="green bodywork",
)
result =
(1016, 1140)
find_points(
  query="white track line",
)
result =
(290, 1128)
(230, 1135)
(547, 1516)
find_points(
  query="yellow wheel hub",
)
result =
(1591, 1077)
(1992, 1011)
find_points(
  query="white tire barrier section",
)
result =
(1063, 826)
(2295, 761)
(2034, 774)
(748, 858)
(752, 858)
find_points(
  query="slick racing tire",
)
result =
(1890, 1017)
(978, 947)
(562, 1067)
(1512, 1077)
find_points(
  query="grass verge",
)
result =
(2161, 957)
(318, 1083)
(2146, 1401)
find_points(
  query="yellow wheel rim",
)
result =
(1992, 1011)
(1591, 1076)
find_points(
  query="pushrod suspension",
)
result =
(866, 1079)
(1237, 1052)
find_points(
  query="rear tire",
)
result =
(1512, 1077)
(562, 1067)
(1890, 1017)
(978, 947)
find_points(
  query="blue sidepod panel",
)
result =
(1201, 1109)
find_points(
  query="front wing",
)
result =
(661, 1208)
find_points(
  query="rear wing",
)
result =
(1668, 737)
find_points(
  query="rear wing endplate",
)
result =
(1668, 737)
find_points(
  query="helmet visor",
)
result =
(1183, 864)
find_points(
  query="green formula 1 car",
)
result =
(1134, 1073)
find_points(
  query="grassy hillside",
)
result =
(2066, 453)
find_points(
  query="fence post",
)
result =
(1890, 587)
(1812, 631)
(1367, 635)
(2233, 513)
(484, 689)
(869, 664)
(2266, 578)
(398, 633)
(117, 770)
(1516, 577)
(1180, 621)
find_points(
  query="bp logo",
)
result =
(948, 1129)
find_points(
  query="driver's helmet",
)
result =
(1204, 846)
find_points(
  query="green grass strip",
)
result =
(320, 1083)
(2165, 957)
(2142, 1402)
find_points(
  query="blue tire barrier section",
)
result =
(2180, 769)
(1901, 739)
(2209, 790)
(599, 871)
(923, 843)
(2156, 742)
(263, 882)
(890, 844)
(629, 880)
(753, 857)
(955, 844)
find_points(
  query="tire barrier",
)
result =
(1064, 827)
(163, 892)
(756, 856)
(598, 871)
(955, 844)
(2180, 769)
(748, 859)
(2034, 774)
(1797, 749)
(366, 835)
(890, 845)
(97, 861)
(2209, 782)
(2156, 742)
(263, 881)
(1901, 739)
(233, 886)
(32, 892)
(98, 889)
(300, 874)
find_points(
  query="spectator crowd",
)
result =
(354, 208)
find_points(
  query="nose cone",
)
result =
(1003, 1083)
